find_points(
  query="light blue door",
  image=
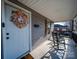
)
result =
(17, 40)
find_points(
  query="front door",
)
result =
(17, 40)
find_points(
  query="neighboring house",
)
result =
(60, 28)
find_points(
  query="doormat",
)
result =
(28, 56)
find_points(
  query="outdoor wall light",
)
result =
(36, 25)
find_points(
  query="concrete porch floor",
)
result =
(70, 52)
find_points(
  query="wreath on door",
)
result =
(19, 18)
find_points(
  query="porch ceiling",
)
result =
(55, 10)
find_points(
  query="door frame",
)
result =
(3, 30)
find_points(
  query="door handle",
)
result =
(7, 35)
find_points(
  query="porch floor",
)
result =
(70, 52)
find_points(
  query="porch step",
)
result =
(41, 50)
